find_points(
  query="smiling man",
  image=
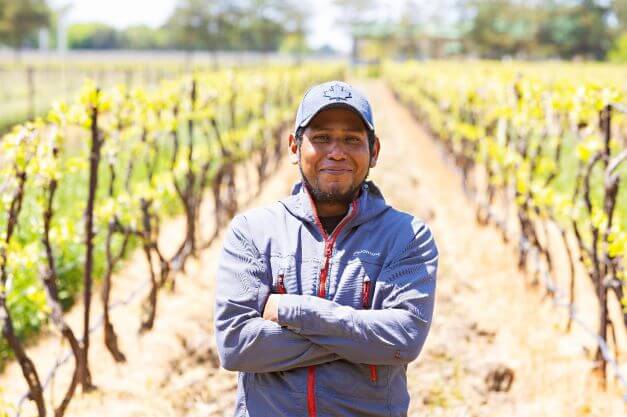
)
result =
(323, 298)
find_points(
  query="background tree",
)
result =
(295, 15)
(540, 29)
(256, 25)
(93, 36)
(356, 13)
(145, 37)
(189, 24)
(408, 27)
(579, 30)
(502, 27)
(259, 25)
(619, 8)
(20, 21)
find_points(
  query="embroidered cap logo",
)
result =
(338, 92)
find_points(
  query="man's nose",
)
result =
(336, 150)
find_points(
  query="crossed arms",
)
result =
(302, 330)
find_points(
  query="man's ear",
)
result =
(293, 149)
(376, 147)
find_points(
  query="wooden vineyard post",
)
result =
(94, 160)
(30, 85)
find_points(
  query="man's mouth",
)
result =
(335, 171)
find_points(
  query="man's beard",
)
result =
(321, 196)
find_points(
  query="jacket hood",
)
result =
(370, 204)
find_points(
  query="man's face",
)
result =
(334, 156)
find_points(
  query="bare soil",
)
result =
(497, 347)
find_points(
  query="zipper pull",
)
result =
(373, 373)
(365, 293)
(365, 301)
(281, 284)
(327, 255)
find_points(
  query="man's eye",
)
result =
(320, 139)
(353, 139)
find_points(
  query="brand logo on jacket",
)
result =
(367, 252)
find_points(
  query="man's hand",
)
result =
(271, 310)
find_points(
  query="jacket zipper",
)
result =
(281, 284)
(365, 293)
(365, 302)
(329, 242)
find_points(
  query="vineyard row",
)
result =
(545, 152)
(82, 186)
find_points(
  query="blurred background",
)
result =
(47, 46)
(556, 29)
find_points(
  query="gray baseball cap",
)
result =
(333, 94)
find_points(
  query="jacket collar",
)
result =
(370, 203)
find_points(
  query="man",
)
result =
(323, 298)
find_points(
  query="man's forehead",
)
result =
(337, 118)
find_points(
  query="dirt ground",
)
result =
(487, 317)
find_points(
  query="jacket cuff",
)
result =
(289, 312)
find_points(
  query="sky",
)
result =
(124, 13)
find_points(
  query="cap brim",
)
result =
(334, 105)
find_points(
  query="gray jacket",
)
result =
(357, 309)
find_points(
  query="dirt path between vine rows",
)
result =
(486, 315)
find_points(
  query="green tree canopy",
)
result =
(20, 20)
(93, 36)
(258, 25)
(548, 28)
(196, 24)
(503, 28)
(145, 37)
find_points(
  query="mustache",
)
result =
(321, 196)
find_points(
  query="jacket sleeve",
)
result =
(392, 334)
(245, 340)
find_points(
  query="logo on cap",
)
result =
(337, 92)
